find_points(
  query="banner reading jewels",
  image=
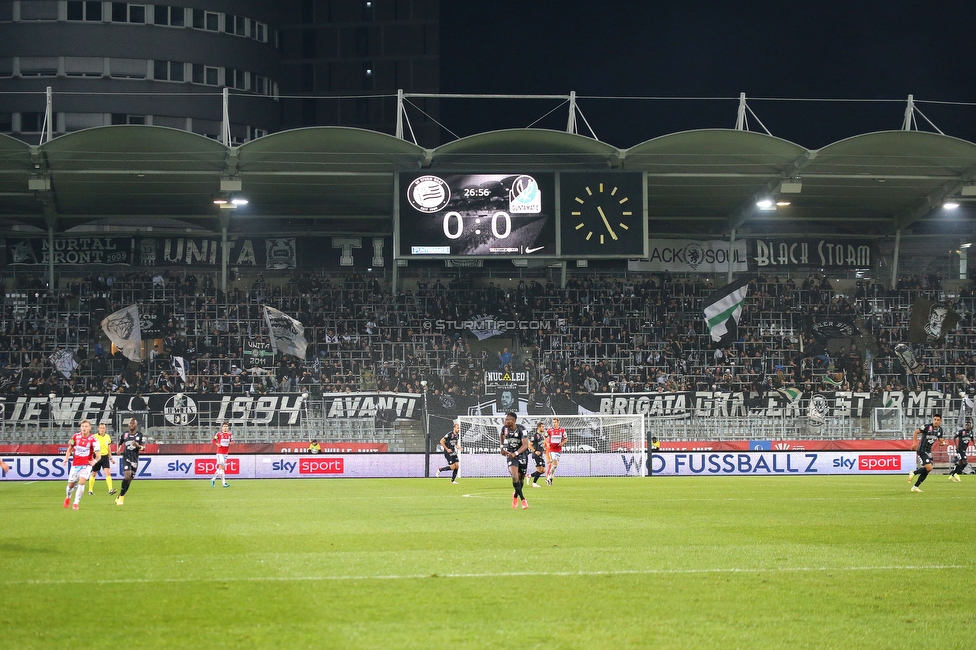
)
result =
(164, 409)
(692, 256)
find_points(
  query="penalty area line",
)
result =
(499, 574)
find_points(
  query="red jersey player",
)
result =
(84, 453)
(555, 437)
(222, 439)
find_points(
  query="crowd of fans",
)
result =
(631, 333)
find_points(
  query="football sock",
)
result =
(922, 473)
(443, 469)
(79, 491)
(67, 492)
(125, 486)
(535, 476)
(108, 479)
(454, 475)
(91, 482)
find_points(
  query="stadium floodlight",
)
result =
(765, 204)
(239, 200)
(950, 205)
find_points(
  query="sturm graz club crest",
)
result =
(180, 410)
(819, 408)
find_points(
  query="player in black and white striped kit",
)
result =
(515, 448)
(922, 441)
(964, 438)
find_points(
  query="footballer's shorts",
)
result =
(521, 461)
(540, 459)
(130, 465)
(925, 458)
(103, 463)
(79, 473)
(451, 458)
(554, 456)
(222, 459)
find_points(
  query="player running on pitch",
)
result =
(555, 437)
(964, 438)
(130, 444)
(537, 445)
(222, 439)
(922, 441)
(515, 446)
(451, 444)
(84, 454)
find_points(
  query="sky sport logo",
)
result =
(879, 463)
(321, 466)
(207, 466)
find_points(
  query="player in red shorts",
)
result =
(84, 453)
(222, 439)
(555, 437)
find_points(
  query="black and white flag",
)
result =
(287, 333)
(122, 328)
(179, 365)
(65, 361)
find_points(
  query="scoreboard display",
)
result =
(477, 215)
(520, 215)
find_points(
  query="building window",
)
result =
(208, 20)
(79, 121)
(31, 122)
(236, 25)
(260, 84)
(168, 15)
(168, 70)
(39, 10)
(236, 79)
(124, 12)
(205, 74)
(84, 66)
(90, 11)
(38, 66)
(260, 32)
(6, 122)
(6, 67)
(128, 68)
(125, 118)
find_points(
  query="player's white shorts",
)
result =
(222, 459)
(554, 456)
(79, 473)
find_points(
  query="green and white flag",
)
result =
(724, 308)
(791, 395)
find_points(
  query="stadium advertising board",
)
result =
(53, 468)
(826, 254)
(692, 256)
(780, 463)
(447, 215)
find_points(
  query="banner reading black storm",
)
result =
(819, 253)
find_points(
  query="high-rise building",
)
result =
(346, 59)
(284, 64)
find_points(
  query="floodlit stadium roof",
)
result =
(339, 180)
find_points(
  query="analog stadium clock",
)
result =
(602, 215)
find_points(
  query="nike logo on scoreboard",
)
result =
(533, 250)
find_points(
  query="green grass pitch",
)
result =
(797, 562)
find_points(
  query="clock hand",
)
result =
(607, 223)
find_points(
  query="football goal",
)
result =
(596, 445)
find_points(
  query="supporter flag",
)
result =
(287, 333)
(723, 310)
(179, 364)
(122, 328)
(930, 321)
(484, 327)
(791, 395)
(65, 361)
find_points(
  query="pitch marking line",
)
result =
(502, 574)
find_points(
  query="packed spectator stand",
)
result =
(614, 332)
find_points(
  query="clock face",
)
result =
(602, 215)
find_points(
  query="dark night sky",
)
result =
(864, 50)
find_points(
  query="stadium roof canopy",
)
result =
(341, 180)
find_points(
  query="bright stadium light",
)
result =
(765, 204)
(950, 205)
(239, 201)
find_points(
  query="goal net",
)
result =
(596, 445)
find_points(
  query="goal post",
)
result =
(596, 445)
